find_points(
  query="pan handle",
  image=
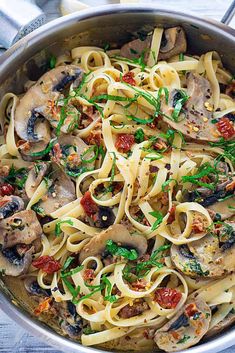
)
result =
(226, 19)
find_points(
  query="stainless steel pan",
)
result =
(114, 24)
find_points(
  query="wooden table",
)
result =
(14, 339)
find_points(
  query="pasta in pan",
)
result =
(117, 193)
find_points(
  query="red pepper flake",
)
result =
(167, 298)
(57, 152)
(175, 334)
(89, 206)
(171, 217)
(124, 142)
(230, 186)
(6, 189)
(191, 310)
(129, 78)
(198, 225)
(42, 307)
(139, 284)
(47, 264)
(88, 274)
(160, 145)
(225, 127)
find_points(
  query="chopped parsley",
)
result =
(114, 249)
(179, 105)
(159, 217)
(38, 209)
(139, 136)
(16, 177)
(204, 170)
(184, 339)
(52, 62)
(58, 226)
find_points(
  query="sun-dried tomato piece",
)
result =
(42, 307)
(129, 78)
(167, 298)
(47, 264)
(171, 217)
(225, 127)
(89, 206)
(88, 274)
(191, 310)
(124, 142)
(6, 189)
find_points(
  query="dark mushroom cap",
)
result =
(10, 205)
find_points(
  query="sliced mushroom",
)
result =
(21, 228)
(10, 205)
(71, 322)
(136, 47)
(105, 217)
(186, 328)
(33, 288)
(35, 177)
(35, 105)
(173, 43)
(119, 234)
(74, 146)
(221, 200)
(195, 118)
(61, 192)
(222, 325)
(211, 256)
(13, 264)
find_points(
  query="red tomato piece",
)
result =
(171, 217)
(129, 78)
(167, 298)
(6, 189)
(225, 128)
(89, 206)
(88, 274)
(43, 307)
(124, 142)
(47, 263)
(191, 310)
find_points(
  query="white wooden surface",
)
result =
(13, 339)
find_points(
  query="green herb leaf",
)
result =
(140, 121)
(52, 62)
(184, 339)
(93, 148)
(181, 57)
(71, 272)
(67, 263)
(58, 226)
(139, 136)
(16, 177)
(179, 105)
(116, 250)
(159, 217)
(46, 150)
(166, 184)
(113, 167)
(204, 170)
(73, 290)
(88, 331)
(38, 209)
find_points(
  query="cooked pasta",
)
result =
(117, 193)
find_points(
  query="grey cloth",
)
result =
(13, 338)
